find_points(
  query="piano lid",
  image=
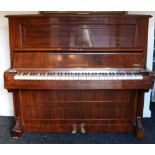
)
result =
(81, 13)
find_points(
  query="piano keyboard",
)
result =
(79, 76)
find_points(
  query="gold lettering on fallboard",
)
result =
(78, 65)
(136, 65)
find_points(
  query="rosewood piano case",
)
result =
(75, 40)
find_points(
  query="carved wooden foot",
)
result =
(17, 129)
(139, 129)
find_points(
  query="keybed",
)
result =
(79, 75)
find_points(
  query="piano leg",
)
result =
(17, 129)
(139, 131)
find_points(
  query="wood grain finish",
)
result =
(77, 40)
(76, 60)
(83, 31)
(79, 36)
(76, 107)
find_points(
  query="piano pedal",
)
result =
(74, 131)
(82, 128)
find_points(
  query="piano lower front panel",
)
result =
(59, 110)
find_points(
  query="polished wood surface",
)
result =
(77, 40)
(69, 107)
(76, 60)
(82, 35)
(78, 32)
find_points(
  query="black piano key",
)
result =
(19, 73)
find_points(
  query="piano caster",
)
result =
(74, 131)
(82, 128)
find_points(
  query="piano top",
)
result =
(81, 13)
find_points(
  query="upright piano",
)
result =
(78, 72)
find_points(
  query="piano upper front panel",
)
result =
(76, 33)
(79, 36)
(79, 32)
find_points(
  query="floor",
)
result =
(79, 138)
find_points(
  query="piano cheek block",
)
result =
(70, 72)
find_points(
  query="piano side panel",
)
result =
(85, 60)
